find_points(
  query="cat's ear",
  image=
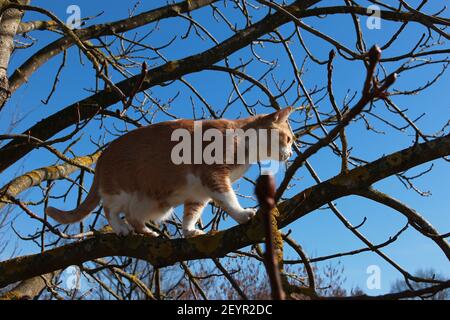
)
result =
(280, 115)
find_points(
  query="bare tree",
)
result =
(260, 55)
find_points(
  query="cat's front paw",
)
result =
(193, 233)
(245, 215)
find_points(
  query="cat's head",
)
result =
(278, 121)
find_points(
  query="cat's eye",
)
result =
(289, 139)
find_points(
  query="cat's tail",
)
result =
(78, 214)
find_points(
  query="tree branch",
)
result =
(36, 177)
(162, 252)
(89, 106)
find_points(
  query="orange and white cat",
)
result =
(135, 176)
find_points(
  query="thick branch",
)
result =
(36, 177)
(88, 107)
(9, 22)
(162, 252)
(28, 289)
(22, 74)
(362, 177)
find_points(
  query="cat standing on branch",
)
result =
(138, 177)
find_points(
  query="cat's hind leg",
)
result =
(141, 228)
(119, 225)
(191, 214)
(140, 210)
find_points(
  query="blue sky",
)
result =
(320, 233)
